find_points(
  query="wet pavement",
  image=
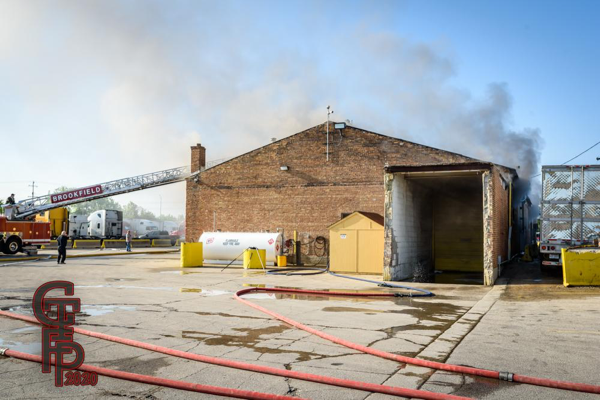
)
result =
(529, 323)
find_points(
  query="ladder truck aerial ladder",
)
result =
(19, 233)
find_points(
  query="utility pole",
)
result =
(160, 212)
(32, 186)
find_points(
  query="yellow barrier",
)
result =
(54, 245)
(282, 261)
(161, 243)
(116, 243)
(255, 258)
(87, 244)
(581, 267)
(191, 255)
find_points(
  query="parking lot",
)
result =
(527, 324)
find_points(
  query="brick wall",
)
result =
(495, 222)
(500, 215)
(251, 193)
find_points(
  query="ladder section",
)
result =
(29, 207)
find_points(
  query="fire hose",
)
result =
(351, 384)
(153, 380)
(506, 376)
(324, 379)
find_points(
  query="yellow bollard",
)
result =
(191, 255)
(255, 258)
(282, 261)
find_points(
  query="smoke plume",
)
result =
(119, 88)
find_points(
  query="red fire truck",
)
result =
(20, 235)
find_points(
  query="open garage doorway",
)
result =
(435, 224)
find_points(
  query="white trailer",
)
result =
(570, 209)
(141, 227)
(168, 226)
(106, 224)
(78, 226)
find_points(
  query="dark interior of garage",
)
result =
(439, 226)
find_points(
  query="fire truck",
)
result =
(20, 233)
(19, 236)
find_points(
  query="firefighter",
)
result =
(62, 247)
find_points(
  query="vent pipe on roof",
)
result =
(328, 113)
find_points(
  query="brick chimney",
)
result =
(198, 157)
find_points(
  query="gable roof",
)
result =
(323, 125)
(378, 219)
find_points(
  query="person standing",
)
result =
(128, 240)
(62, 247)
(11, 199)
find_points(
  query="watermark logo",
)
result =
(57, 316)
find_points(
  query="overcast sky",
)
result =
(92, 91)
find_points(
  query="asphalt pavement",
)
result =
(527, 324)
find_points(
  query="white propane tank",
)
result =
(229, 245)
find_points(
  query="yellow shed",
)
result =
(356, 244)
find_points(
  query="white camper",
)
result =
(106, 224)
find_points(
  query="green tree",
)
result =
(89, 207)
(145, 214)
(131, 210)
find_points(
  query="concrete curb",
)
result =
(441, 348)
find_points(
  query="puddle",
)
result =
(262, 285)
(316, 297)
(31, 348)
(479, 387)
(247, 274)
(205, 292)
(124, 287)
(177, 271)
(229, 315)
(261, 296)
(121, 279)
(88, 310)
(95, 310)
(250, 338)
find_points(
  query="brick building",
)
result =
(290, 185)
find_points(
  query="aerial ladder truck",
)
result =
(20, 233)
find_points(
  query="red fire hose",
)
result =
(507, 376)
(152, 380)
(365, 386)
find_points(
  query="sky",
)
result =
(96, 90)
